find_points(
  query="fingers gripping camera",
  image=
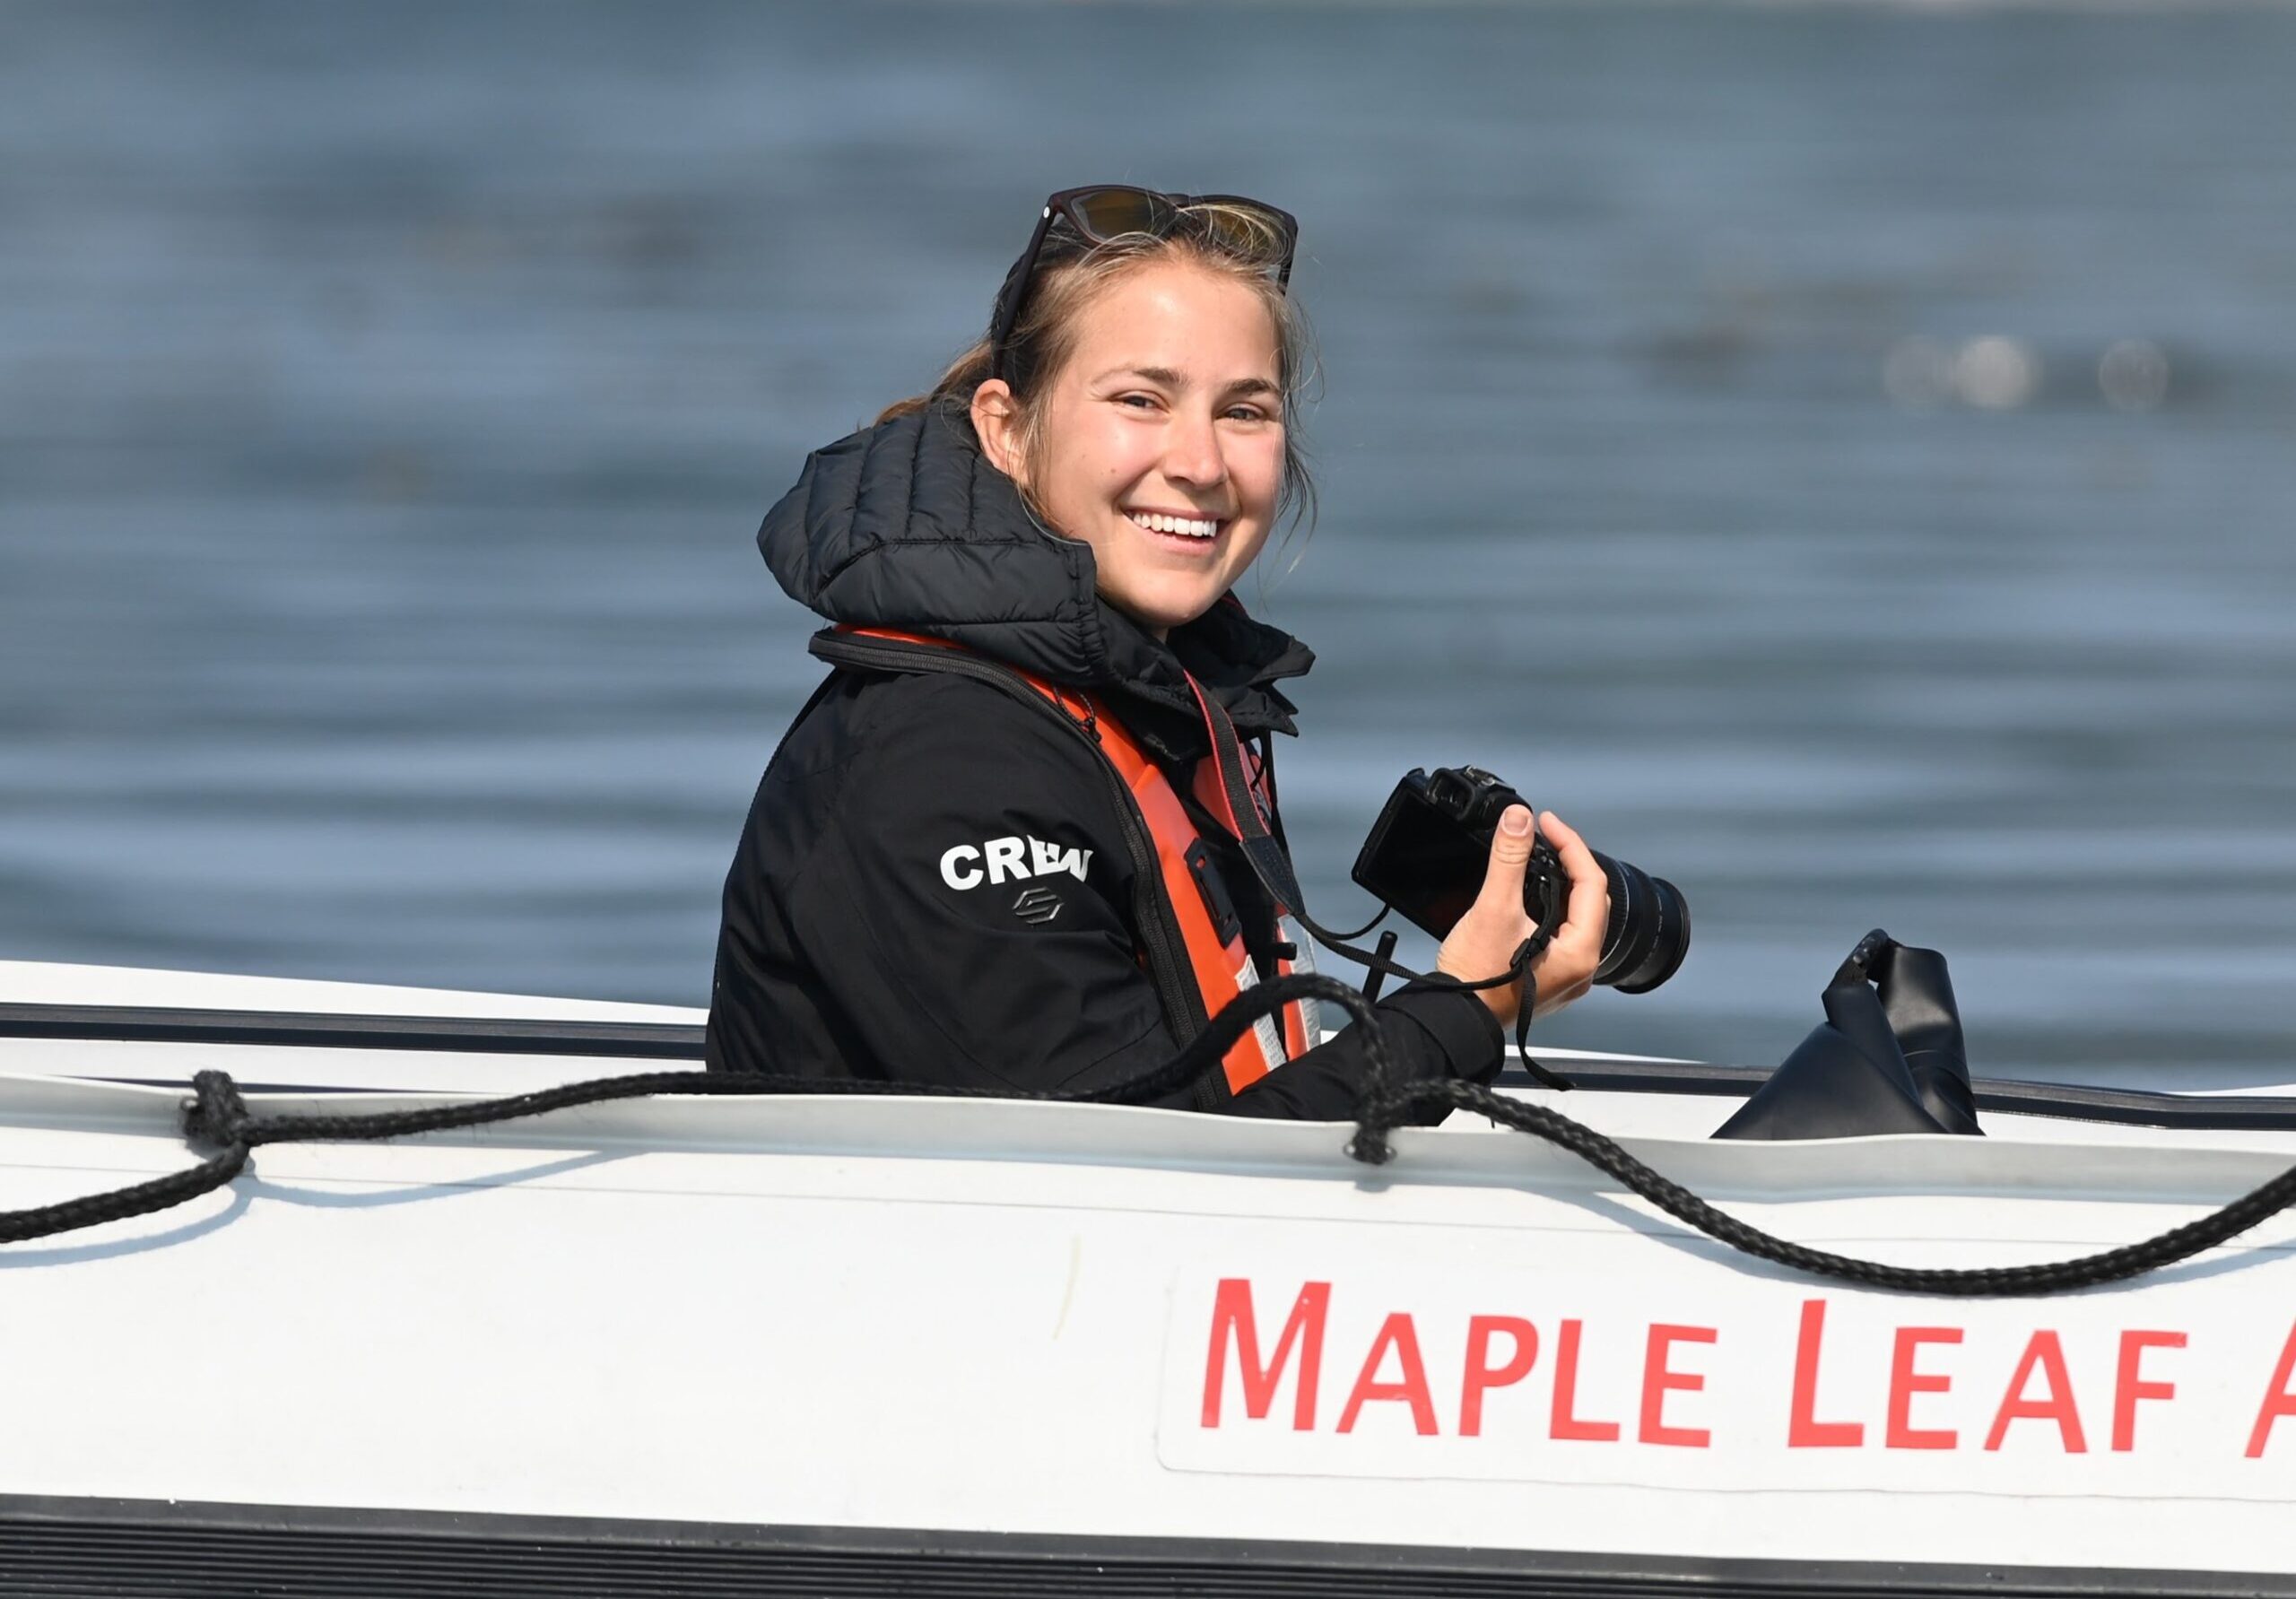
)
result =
(1426, 853)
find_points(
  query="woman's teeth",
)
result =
(1186, 527)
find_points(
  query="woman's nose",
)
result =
(1192, 453)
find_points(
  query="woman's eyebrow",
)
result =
(1170, 378)
(1162, 375)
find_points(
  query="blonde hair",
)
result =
(1070, 273)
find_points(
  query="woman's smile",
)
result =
(1185, 532)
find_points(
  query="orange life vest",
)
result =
(1210, 928)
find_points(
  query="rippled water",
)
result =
(388, 397)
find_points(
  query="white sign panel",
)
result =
(1713, 1379)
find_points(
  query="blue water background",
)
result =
(388, 397)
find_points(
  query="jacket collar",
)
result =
(906, 524)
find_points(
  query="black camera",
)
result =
(1428, 850)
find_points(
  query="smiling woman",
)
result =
(1170, 416)
(997, 849)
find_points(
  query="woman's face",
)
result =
(1162, 439)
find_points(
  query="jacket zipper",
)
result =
(1158, 932)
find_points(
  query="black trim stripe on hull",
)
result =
(155, 1550)
(319, 1030)
(675, 1041)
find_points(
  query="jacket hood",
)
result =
(906, 524)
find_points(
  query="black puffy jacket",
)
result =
(845, 951)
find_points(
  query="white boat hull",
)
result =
(889, 1332)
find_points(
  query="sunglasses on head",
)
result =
(1109, 211)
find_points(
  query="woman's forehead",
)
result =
(1179, 318)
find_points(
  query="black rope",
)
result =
(139, 1199)
(217, 1117)
(1382, 1111)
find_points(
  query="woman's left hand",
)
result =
(1497, 925)
(1566, 970)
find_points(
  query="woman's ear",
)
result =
(996, 423)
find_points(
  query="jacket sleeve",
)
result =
(1431, 1033)
(969, 911)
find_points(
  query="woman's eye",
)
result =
(1249, 414)
(1139, 402)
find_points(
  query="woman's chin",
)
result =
(1160, 607)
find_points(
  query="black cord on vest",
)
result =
(1385, 910)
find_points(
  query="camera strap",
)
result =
(1234, 802)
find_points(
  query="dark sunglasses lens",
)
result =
(1109, 212)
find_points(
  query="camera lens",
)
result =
(1649, 930)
